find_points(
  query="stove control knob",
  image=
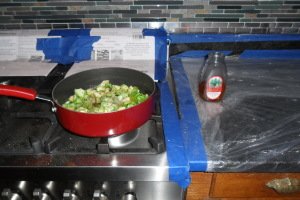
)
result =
(38, 194)
(100, 195)
(69, 195)
(7, 194)
(129, 196)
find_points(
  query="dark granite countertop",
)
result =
(257, 125)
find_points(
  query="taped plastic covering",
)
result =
(189, 120)
(161, 40)
(256, 126)
(178, 165)
(72, 47)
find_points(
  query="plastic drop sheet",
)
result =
(256, 127)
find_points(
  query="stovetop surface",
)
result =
(31, 128)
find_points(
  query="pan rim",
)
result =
(105, 113)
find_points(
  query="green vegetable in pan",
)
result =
(104, 98)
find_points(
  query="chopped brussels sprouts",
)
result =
(104, 98)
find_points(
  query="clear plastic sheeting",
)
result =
(256, 127)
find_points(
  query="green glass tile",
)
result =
(92, 25)
(292, 2)
(284, 25)
(107, 25)
(43, 26)
(176, 15)
(95, 16)
(121, 3)
(233, 2)
(243, 30)
(218, 11)
(186, 7)
(242, 11)
(274, 30)
(220, 15)
(72, 25)
(72, 3)
(235, 24)
(63, 20)
(271, 7)
(136, 7)
(163, 15)
(12, 26)
(224, 19)
(101, 3)
(229, 7)
(157, 2)
(252, 24)
(211, 30)
(140, 25)
(155, 11)
(264, 20)
(227, 30)
(149, 7)
(100, 11)
(61, 8)
(60, 26)
(101, 20)
(148, 19)
(248, 7)
(258, 30)
(290, 30)
(119, 20)
(43, 8)
(10, 4)
(245, 20)
(27, 21)
(191, 19)
(125, 11)
(270, 2)
(123, 25)
(219, 24)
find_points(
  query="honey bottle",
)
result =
(212, 77)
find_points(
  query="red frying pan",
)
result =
(95, 124)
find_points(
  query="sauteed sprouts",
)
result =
(105, 98)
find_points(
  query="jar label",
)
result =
(214, 87)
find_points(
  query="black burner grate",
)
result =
(31, 128)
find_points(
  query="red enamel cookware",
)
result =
(95, 124)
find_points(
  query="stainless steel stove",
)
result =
(41, 160)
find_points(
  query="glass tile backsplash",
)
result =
(204, 16)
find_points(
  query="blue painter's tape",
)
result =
(199, 54)
(201, 38)
(69, 32)
(271, 54)
(160, 51)
(189, 121)
(178, 164)
(67, 50)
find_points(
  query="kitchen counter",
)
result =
(254, 129)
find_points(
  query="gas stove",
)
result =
(39, 159)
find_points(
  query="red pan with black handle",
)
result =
(95, 124)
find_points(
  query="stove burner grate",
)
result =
(40, 133)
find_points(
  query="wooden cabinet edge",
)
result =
(203, 186)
